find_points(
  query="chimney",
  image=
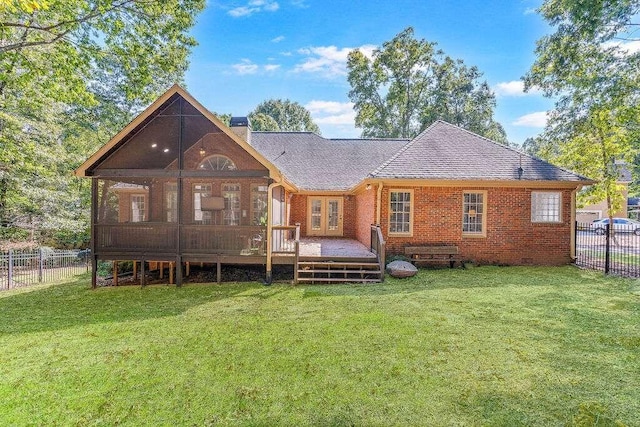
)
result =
(241, 127)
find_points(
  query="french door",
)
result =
(324, 216)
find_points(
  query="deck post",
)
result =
(94, 271)
(296, 260)
(218, 269)
(115, 273)
(135, 270)
(143, 281)
(179, 271)
(171, 273)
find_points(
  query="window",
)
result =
(200, 191)
(217, 163)
(474, 213)
(258, 204)
(545, 206)
(400, 212)
(138, 207)
(231, 212)
(171, 201)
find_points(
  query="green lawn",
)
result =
(484, 346)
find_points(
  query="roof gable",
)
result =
(447, 152)
(140, 126)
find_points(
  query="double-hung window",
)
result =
(138, 208)
(474, 217)
(400, 212)
(545, 206)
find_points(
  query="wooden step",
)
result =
(343, 280)
(342, 264)
(341, 271)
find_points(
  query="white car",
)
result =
(620, 225)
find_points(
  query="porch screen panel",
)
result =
(200, 216)
(153, 145)
(130, 217)
(258, 204)
(231, 213)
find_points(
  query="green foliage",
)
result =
(282, 115)
(596, 120)
(408, 84)
(73, 73)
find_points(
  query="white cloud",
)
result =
(530, 11)
(277, 39)
(532, 120)
(246, 67)
(331, 112)
(514, 88)
(625, 47)
(271, 67)
(329, 61)
(254, 6)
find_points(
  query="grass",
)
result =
(485, 346)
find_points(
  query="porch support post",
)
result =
(179, 271)
(92, 243)
(572, 249)
(143, 280)
(115, 273)
(268, 277)
(218, 269)
(379, 203)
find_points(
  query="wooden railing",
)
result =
(283, 238)
(224, 239)
(378, 247)
(162, 237)
(159, 237)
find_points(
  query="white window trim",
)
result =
(144, 204)
(537, 221)
(484, 214)
(412, 210)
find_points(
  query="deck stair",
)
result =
(339, 270)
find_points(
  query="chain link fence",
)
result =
(20, 268)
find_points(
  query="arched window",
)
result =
(217, 163)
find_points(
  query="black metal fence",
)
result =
(29, 267)
(614, 251)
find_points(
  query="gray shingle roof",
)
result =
(445, 151)
(312, 162)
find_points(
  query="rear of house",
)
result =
(178, 186)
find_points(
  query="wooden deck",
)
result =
(317, 247)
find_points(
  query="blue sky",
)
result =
(253, 50)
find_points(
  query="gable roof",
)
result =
(447, 152)
(142, 119)
(314, 163)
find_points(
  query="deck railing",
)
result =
(283, 238)
(222, 239)
(163, 238)
(378, 247)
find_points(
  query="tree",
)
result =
(71, 74)
(596, 120)
(408, 84)
(282, 115)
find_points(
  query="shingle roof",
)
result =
(312, 162)
(444, 151)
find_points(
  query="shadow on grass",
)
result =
(73, 303)
(456, 278)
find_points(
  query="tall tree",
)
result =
(586, 63)
(408, 84)
(282, 115)
(71, 73)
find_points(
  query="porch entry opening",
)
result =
(325, 216)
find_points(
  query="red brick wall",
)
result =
(511, 237)
(365, 214)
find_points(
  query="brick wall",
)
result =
(365, 214)
(511, 237)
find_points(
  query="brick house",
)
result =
(177, 187)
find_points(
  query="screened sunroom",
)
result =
(178, 186)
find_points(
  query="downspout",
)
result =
(379, 203)
(270, 229)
